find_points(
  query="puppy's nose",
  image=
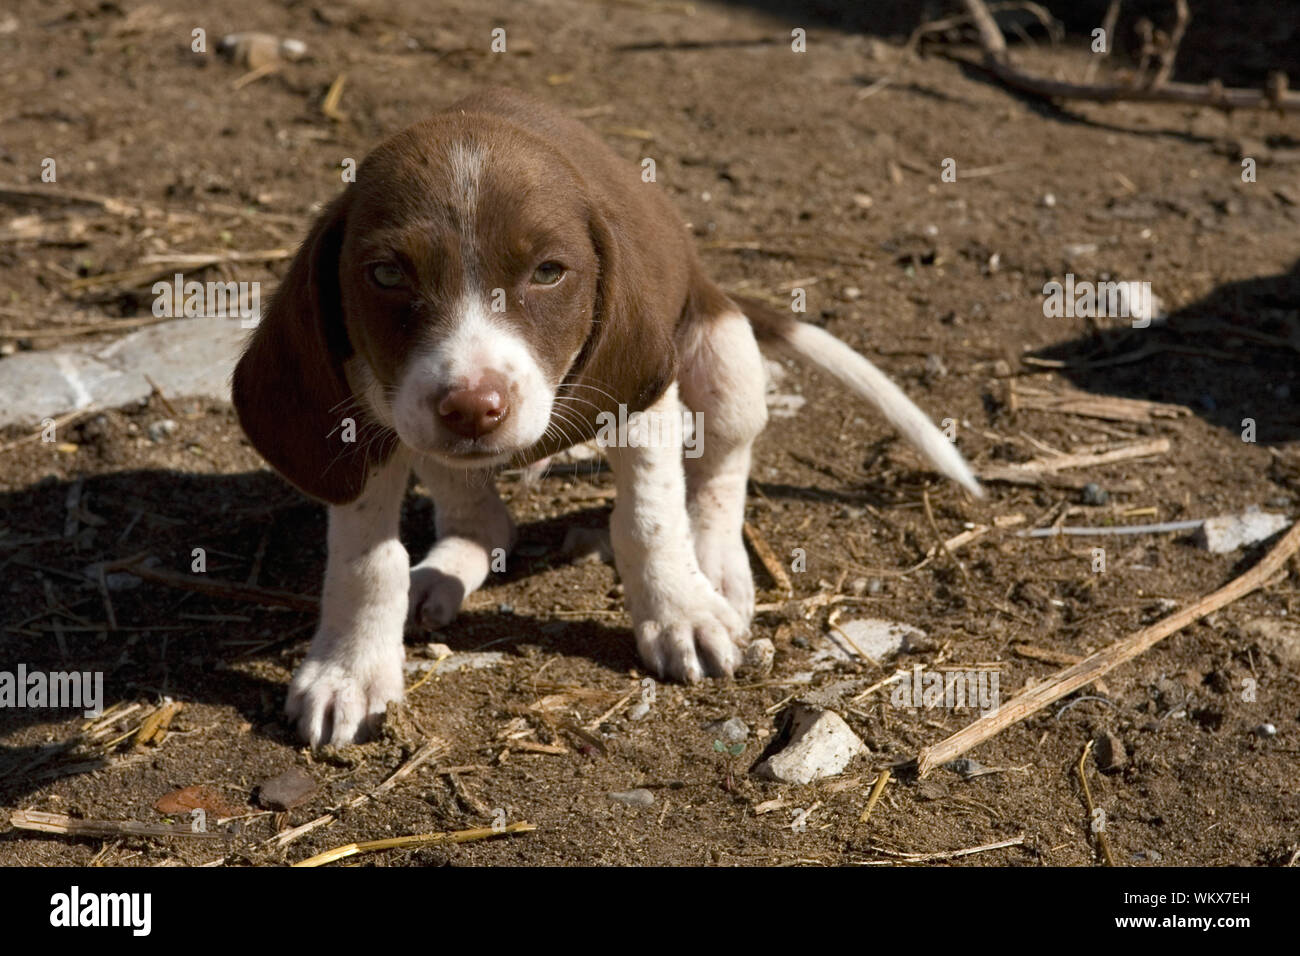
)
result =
(474, 412)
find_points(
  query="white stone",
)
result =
(821, 745)
(1225, 533)
(878, 639)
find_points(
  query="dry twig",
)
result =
(1102, 662)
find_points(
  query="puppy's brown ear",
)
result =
(629, 358)
(289, 388)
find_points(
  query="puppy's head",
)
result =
(465, 279)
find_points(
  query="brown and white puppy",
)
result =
(494, 282)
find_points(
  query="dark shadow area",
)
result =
(1230, 356)
(1238, 43)
(174, 642)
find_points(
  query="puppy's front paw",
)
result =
(685, 629)
(339, 696)
(436, 597)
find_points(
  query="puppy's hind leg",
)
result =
(472, 524)
(722, 382)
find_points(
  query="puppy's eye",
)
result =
(548, 273)
(387, 275)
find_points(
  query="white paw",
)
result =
(435, 599)
(685, 629)
(725, 563)
(455, 568)
(339, 696)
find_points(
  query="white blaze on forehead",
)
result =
(467, 162)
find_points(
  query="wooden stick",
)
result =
(62, 823)
(1170, 50)
(154, 727)
(771, 563)
(941, 855)
(1103, 661)
(1108, 31)
(218, 588)
(420, 839)
(877, 789)
(1141, 449)
(1092, 807)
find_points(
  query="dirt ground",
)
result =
(792, 175)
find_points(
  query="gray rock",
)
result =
(467, 660)
(964, 766)
(731, 731)
(41, 385)
(290, 789)
(1095, 495)
(633, 798)
(820, 745)
(117, 580)
(1226, 533)
(184, 357)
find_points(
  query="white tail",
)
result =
(854, 370)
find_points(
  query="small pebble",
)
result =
(1266, 730)
(161, 430)
(633, 798)
(964, 766)
(731, 731)
(1094, 494)
(290, 789)
(759, 657)
(1110, 753)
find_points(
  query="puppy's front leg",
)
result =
(472, 523)
(684, 627)
(354, 666)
